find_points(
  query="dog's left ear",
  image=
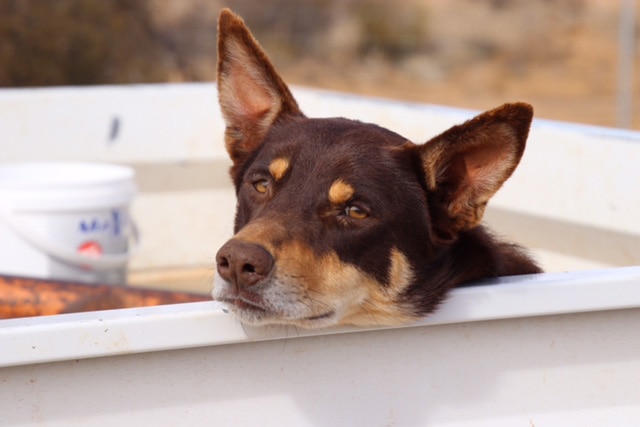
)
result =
(467, 164)
(252, 95)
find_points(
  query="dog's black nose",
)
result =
(243, 264)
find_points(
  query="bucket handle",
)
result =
(103, 262)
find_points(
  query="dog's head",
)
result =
(343, 222)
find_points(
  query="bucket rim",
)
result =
(44, 176)
(85, 186)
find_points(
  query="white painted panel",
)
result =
(139, 123)
(581, 176)
(183, 228)
(542, 371)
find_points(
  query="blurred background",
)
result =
(573, 59)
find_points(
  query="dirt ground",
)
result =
(560, 56)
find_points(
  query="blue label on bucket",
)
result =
(115, 215)
(110, 225)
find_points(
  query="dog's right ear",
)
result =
(252, 95)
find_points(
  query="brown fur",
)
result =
(344, 222)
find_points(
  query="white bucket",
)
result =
(66, 221)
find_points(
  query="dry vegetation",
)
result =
(559, 55)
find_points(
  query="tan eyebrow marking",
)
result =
(340, 192)
(279, 168)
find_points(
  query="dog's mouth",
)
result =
(254, 307)
(245, 304)
(326, 315)
(257, 312)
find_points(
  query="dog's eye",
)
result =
(355, 212)
(261, 186)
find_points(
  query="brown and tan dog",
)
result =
(343, 222)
